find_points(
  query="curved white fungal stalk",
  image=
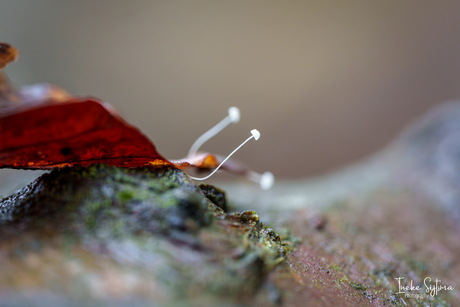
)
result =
(232, 117)
(265, 180)
(255, 134)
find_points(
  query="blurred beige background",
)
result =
(326, 82)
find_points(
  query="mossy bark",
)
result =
(108, 236)
(105, 234)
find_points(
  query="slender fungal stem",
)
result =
(255, 135)
(232, 117)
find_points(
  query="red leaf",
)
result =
(75, 132)
(42, 126)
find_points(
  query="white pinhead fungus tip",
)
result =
(267, 180)
(234, 114)
(255, 133)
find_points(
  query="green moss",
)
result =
(124, 195)
(215, 195)
(357, 286)
(337, 268)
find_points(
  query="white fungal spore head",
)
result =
(267, 180)
(234, 114)
(255, 133)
